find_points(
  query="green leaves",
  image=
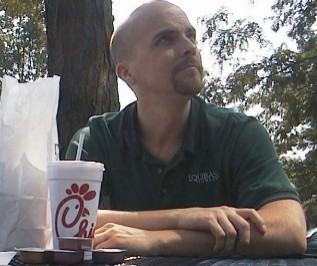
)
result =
(22, 39)
(299, 16)
(225, 40)
(282, 85)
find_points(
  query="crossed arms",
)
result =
(276, 229)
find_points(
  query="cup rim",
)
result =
(97, 165)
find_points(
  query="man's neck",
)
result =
(162, 127)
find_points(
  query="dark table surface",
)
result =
(177, 261)
(221, 262)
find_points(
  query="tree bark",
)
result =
(78, 33)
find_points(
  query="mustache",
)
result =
(190, 62)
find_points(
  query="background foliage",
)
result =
(283, 85)
(22, 39)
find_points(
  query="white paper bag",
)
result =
(28, 138)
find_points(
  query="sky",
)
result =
(194, 10)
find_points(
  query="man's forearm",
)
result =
(284, 234)
(147, 220)
(182, 243)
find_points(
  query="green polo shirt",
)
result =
(226, 158)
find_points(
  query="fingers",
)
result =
(103, 237)
(113, 235)
(224, 232)
(253, 216)
(100, 236)
(242, 228)
(231, 228)
(230, 231)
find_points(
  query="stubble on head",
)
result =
(125, 46)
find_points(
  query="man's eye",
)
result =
(165, 39)
(192, 37)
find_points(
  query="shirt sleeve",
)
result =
(258, 176)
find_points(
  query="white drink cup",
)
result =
(74, 195)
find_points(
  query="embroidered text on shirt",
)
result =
(205, 177)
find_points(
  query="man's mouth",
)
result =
(187, 65)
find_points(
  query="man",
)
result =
(182, 177)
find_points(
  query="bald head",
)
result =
(125, 37)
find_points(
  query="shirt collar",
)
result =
(191, 128)
(132, 132)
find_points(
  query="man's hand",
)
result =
(118, 236)
(230, 227)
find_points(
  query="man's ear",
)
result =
(123, 72)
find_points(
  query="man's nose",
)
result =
(188, 46)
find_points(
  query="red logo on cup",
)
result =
(77, 196)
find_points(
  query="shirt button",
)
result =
(164, 190)
(160, 170)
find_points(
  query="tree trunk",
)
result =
(78, 33)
